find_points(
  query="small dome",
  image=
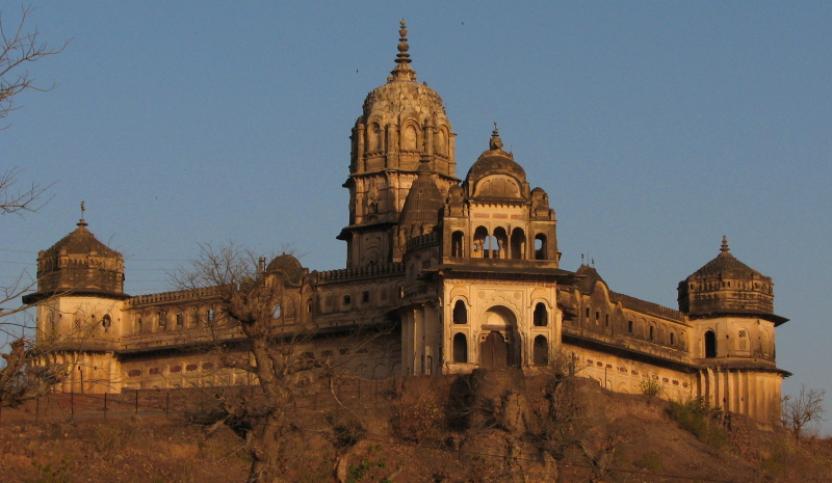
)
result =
(80, 263)
(80, 241)
(289, 266)
(726, 285)
(423, 203)
(509, 178)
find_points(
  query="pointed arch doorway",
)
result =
(499, 345)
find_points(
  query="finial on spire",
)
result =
(495, 142)
(403, 70)
(82, 222)
(724, 248)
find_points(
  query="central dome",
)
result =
(403, 120)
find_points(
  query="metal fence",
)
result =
(55, 407)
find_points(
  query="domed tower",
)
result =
(402, 123)
(734, 307)
(731, 310)
(80, 309)
(79, 264)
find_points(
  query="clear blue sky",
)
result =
(655, 127)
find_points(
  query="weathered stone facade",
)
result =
(465, 272)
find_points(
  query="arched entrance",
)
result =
(499, 344)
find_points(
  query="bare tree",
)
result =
(252, 303)
(19, 47)
(22, 378)
(805, 409)
(23, 375)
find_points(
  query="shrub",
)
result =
(696, 417)
(650, 387)
(418, 421)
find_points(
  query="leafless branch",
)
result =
(19, 47)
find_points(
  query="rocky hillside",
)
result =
(484, 427)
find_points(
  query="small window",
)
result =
(191, 367)
(672, 338)
(541, 315)
(139, 325)
(211, 314)
(460, 348)
(597, 316)
(277, 312)
(175, 369)
(541, 351)
(460, 313)
(180, 320)
(154, 370)
(629, 326)
(457, 244)
(540, 247)
(106, 322)
(163, 322)
(347, 300)
(134, 373)
(651, 332)
(587, 312)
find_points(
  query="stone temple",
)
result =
(465, 272)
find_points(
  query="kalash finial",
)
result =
(495, 143)
(82, 221)
(724, 248)
(403, 70)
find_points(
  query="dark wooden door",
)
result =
(494, 352)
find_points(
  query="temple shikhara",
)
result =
(464, 272)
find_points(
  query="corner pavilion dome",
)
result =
(727, 286)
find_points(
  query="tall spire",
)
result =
(403, 70)
(724, 247)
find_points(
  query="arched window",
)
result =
(541, 315)
(457, 244)
(710, 344)
(500, 250)
(540, 250)
(373, 138)
(460, 313)
(518, 244)
(541, 351)
(409, 138)
(492, 247)
(479, 249)
(106, 322)
(460, 348)
(211, 315)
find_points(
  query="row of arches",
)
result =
(499, 245)
(412, 137)
(498, 353)
(540, 316)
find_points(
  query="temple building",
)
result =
(466, 273)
